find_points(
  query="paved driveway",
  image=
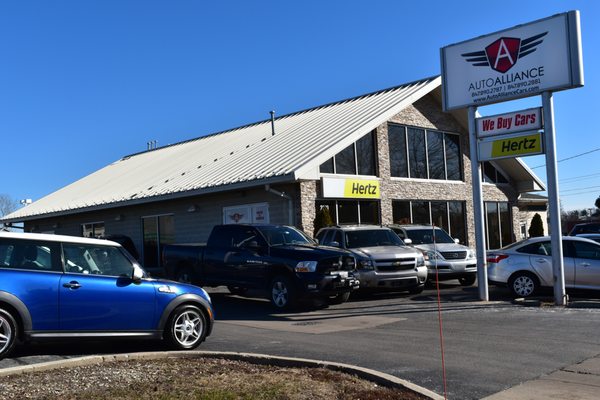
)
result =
(488, 346)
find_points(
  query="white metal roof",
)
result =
(236, 158)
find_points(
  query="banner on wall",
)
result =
(246, 214)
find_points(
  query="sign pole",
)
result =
(560, 297)
(482, 282)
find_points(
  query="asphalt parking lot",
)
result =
(488, 346)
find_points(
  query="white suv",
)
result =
(442, 253)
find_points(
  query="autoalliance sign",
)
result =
(526, 60)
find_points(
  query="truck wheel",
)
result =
(185, 275)
(416, 289)
(186, 328)
(339, 298)
(283, 293)
(467, 280)
(8, 333)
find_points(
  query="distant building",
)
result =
(383, 157)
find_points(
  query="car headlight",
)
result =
(432, 255)
(420, 261)
(365, 264)
(306, 266)
(471, 254)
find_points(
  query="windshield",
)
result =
(425, 236)
(283, 235)
(372, 237)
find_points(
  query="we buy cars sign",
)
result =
(526, 60)
(525, 120)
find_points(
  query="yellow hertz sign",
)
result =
(363, 189)
(351, 188)
(514, 146)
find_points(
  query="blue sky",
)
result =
(83, 82)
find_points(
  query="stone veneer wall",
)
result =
(425, 113)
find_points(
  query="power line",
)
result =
(570, 158)
(578, 178)
(576, 189)
(574, 194)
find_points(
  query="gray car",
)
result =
(526, 266)
(383, 260)
(444, 257)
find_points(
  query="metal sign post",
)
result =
(553, 203)
(482, 282)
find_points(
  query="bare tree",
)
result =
(7, 204)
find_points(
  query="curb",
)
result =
(380, 378)
(549, 302)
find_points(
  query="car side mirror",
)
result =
(137, 273)
(456, 240)
(334, 244)
(407, 241)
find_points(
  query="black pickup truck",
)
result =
(277, 259)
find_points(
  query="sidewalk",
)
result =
(576, 382)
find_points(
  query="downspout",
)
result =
(289, 199)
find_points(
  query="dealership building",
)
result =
(391, 156)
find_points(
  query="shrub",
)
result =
(537, 226)
(322, 219)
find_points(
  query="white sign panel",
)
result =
(523, 61)
(519, 121)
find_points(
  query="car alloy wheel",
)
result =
(282, 293)
(523, 285)
(8, 333)
(187, 328)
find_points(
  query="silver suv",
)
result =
(442, 253)
(383, 260)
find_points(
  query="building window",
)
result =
(449, 215)
(498, 222)
(93, 230)
(157, 231)
(357, 159)
(424, 154)
(491, 174)
(352, 211)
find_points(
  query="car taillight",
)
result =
(496, 258)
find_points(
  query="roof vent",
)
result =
(272, 122)
(151, 145)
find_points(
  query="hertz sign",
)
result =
(351, 188)
(527, 144)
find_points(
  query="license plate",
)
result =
(341, 274)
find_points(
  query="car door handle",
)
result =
(585, 264)
(72, 285)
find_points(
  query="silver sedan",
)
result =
(526, 266)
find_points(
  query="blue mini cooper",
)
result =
(55, 286)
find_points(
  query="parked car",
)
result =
(55, 287)
(593, 236)
(588, 227)
(444, 256)
(279, 260)
(526, 266)
(383, 260)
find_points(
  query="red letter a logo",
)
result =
(503, 53)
